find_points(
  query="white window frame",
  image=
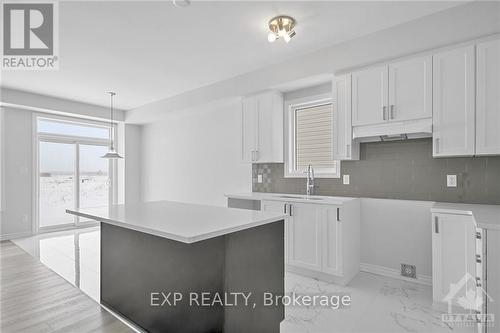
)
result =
(290, 108)
(77, 140)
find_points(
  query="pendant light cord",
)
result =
(111, 94)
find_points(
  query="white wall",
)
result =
(17, 184)
(395, 232)
(195, 157)
(132, 163)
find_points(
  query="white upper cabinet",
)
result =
(454, 102)
(344, 148)
(488, 98)
(369, 96)
(262, 128)
(410, 89)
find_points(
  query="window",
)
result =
(70, 171)
(310, 138)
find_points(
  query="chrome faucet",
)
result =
(310, 180)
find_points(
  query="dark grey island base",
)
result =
(135, 264)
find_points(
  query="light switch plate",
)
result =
(451, 180)
(259, 178)
(346, 179)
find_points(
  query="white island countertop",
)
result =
(486, 216)
(183, 222)
(317, 199)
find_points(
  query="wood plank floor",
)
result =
(35, 299)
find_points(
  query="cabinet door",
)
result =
(453, 102)
(410, 89)
(453, 257)
(369, 96)
(343, 146)
(488, 98)
(265, 124)
(332, 241)
(305, 237)
(249, 129)
(493, 277)
(278, 207)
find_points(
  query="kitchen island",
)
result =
(177, 267)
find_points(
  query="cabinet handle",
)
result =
(348, 148)
(436, 225)
(290, 213)
(384, 108)
(338, 214)
(284, 209)
(436, 141)
(478, 258)
(392, 112)
(256, 155)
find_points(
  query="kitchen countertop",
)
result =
(317, 199)
(486, 216)
(183, 222)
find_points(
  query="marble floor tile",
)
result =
(378, 304)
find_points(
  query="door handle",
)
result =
(436, 225)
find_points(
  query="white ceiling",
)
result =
(146, 51)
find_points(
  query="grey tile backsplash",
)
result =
(397, 170)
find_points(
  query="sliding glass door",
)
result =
(71, 172)
(56, 183)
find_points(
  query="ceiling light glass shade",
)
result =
(112, 154)
(271, 37)
(287, 38)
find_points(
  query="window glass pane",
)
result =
(73, 129)
(94, 176)
(314, 137)
(57, 191)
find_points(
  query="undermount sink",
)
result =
(298, 197)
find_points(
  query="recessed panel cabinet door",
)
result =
(332, 241)
(249, 125)
(343, 146)
(278, 207)
(488, 98)
(454, 102)
(369, 96)
(453, 257)
(410, 89)
(305, 236)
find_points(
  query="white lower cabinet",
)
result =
(454, 258)
(322, 241)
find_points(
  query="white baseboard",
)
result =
(15, 235)
(394, 273)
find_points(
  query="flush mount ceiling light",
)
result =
(281, 27)
(112, 153)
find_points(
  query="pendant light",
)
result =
(112, 153)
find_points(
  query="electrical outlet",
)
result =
(259, 178)
(346, 180)
(451, 180)
(409, 271)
